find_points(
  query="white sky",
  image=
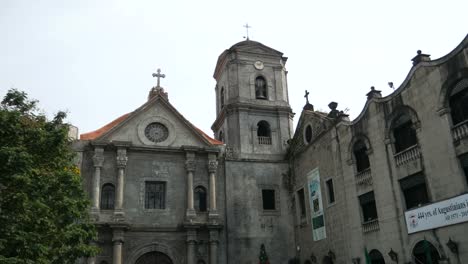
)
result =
(94, 58)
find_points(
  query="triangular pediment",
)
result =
(318, 123)
(156, 123)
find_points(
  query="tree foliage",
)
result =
(43, 208)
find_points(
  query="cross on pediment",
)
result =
(247, 29)
(159, 75)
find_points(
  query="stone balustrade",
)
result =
(264, 140)
(407, 155)
(370, 226)
(364, 177)
(460, 131)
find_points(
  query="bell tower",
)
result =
(253, 117)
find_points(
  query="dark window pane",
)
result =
(155, 195)
(200, 199)
(360, 154)
(308, 134)
(263, 129)
(260, 88)
(464, 163)
(331, 191)
(369, 209)
(301, 197)
(107, 197)
(459, 102)
(268, 198)
(404, 133)
(415, 191)
(222, 97)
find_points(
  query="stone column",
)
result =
(121, 164)
(191, 240)
(117, 241)
(190, 167)
(212, 167)
(214, 246)
(98, 160)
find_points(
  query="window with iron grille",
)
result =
(155, 193)
(368, 207)
(107, 196)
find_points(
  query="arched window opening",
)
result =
(107, 196)
(200, 199)
(459, 102)
(264, 133)
(404, 133)
(260, 88)
(308, 134)
(376, 257)
(424, 252)
(221, 136)
(154, 257)
(221, 97)
(360, 155)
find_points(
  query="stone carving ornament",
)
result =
(156, 132)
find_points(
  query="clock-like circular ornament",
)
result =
(258, 65)
(156, 132)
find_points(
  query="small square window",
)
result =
(268, 198)
(331, 191)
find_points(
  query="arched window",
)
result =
(459, 102)
(360, 155)
(200, 198)
(404, 133)
(221, 97)
(260, 88)
(308, 134)
(264, 133)
(425, 252)
(221, 136)
(107, 196)
(376, 257)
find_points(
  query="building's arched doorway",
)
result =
(425, 253)
(154, 257)
(376, 257)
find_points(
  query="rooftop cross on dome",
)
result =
(159, 75)
(247, 29)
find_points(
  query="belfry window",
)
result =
(200, 199)
(221, 97)
(404, 133)
(415, 191)
(107, 196)
(360, 155)
(264, 133)
(459, 102)
(155, 193)
(260, 88)
(369, 210)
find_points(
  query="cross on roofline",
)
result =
(159, 75)
(306, 96)
(247, 29)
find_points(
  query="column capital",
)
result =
(190, 165)
(121, 158)
(98, 158)
(212, 166)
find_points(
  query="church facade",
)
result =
(332, 191)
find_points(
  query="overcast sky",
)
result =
(95, 58)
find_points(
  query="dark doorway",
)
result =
(425, 253)
(154, 258)
(376, 257)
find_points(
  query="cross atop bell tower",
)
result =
(158, 75)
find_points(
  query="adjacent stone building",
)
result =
(333, 191)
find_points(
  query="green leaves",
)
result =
(43, 208)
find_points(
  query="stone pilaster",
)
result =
(191, 241)
(212, 168)
(190, 166)
(98, 160)
(214, 241)
(117, 244)
(121, 165)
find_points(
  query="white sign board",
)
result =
(316, 207)
(443, 213)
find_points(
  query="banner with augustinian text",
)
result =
(316, 206)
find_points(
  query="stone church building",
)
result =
(388, 187)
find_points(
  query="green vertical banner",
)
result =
(427, 252)
(316, 206)
(366, 254)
